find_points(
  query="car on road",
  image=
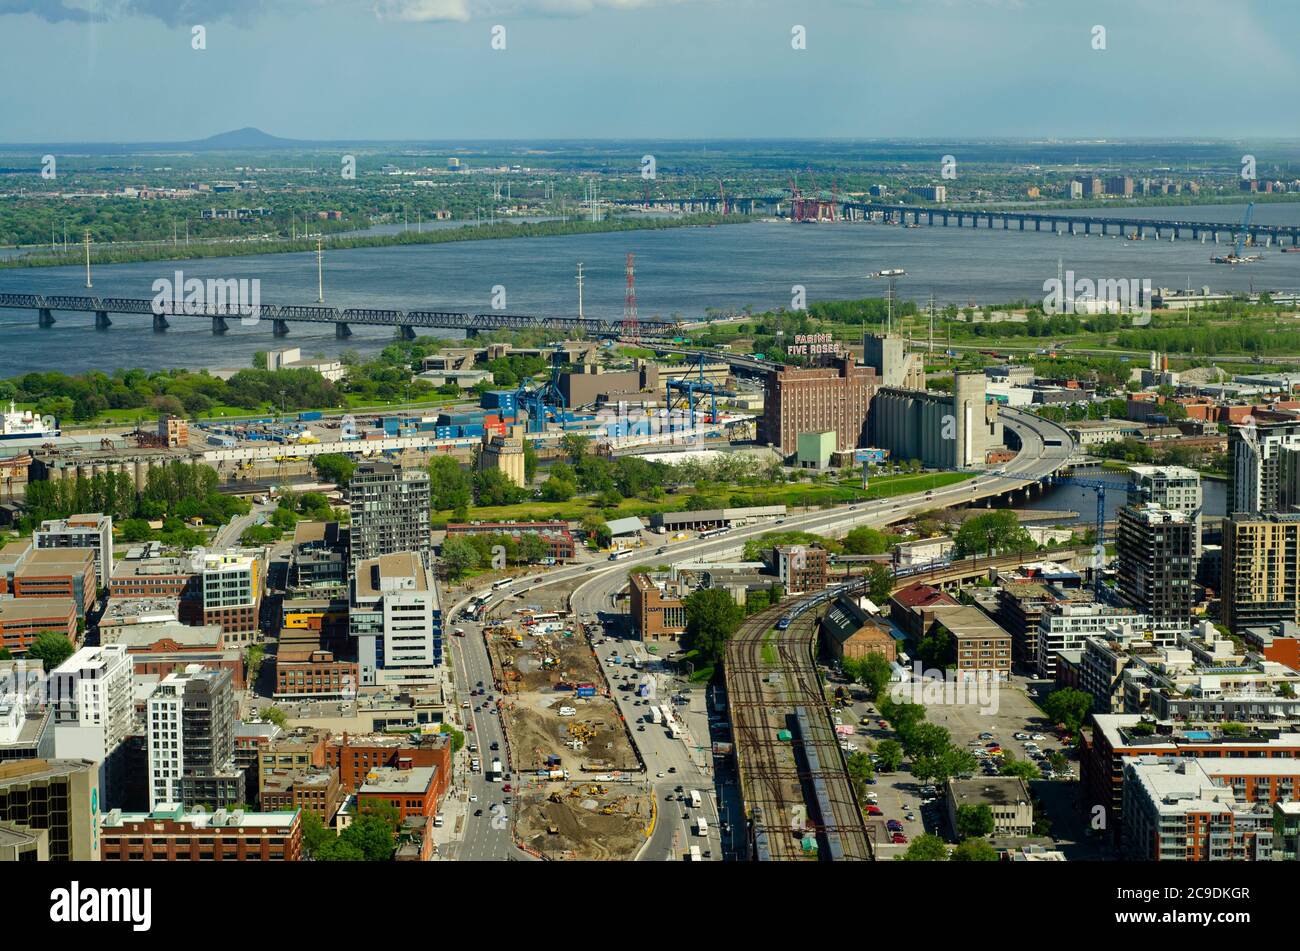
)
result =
(910, 817)
(659, 774)
(473, 798)
(478, 812)
(495, 745)
(893, 825)
(899, 839)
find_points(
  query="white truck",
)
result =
(695, 799)
(655, 715)
(495, 775)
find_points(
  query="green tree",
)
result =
(874, 672)
(926, 848)
(991, 533)
(712, 616)
(458, 555)
(449, 485)
(974, 850)
(880, 582)
(890, 754)
(1068, 707)
(1011, 766)
(866, 541)
(275, 715)
(334, 467)
(555, 489)
(51, 647)
(860, 770)
(974, 820)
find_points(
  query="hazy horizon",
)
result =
(124, 71)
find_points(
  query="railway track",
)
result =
(796, 791)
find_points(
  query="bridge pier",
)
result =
(101, 320)
(1087, 228)
(280, 328)
(342, 331)
(406, 332)
(219, 325)
(1038, 224)
(45, 317)
(160, 323)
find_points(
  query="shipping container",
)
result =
(311, 415)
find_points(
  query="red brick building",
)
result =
(222, 836)
(807, 400)
(913, 608)
(21, 619)
(355, 756)
(313, 789)
(657, 607)
(413, 792)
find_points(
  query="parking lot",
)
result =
(1007, 719)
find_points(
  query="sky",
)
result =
(127, 70)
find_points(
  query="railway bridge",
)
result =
(405, 323)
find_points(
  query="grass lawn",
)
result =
(769, 649)
(789, 494)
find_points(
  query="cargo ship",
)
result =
(24, 425)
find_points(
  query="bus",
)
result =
(494, 776)
(542, 618)
(620, 555)
(715, 532)
(496, 585)
(694, 854)
(695, 799)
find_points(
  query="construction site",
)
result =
(578, 778)
(585, 821)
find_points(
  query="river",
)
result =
(679, 273)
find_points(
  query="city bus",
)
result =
(620, 555)
(497, 585)
(715, 532)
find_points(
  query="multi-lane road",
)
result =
(1045, 447)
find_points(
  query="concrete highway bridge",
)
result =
(404, 322)
(1261, 235)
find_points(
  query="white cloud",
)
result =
(464, 10)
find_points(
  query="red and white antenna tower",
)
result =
(631, 326)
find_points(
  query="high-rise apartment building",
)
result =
(190, 718)
(230, 585)
(92, 531)
(94, 712)
(1261, 570)
(1171, 487)
(1264, 467)
(396, 620)
(390, 511)
(1156, 562)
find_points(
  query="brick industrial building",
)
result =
(656, 605)
(818, 399)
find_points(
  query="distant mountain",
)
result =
(246, 138)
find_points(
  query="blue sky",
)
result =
(124, 70)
